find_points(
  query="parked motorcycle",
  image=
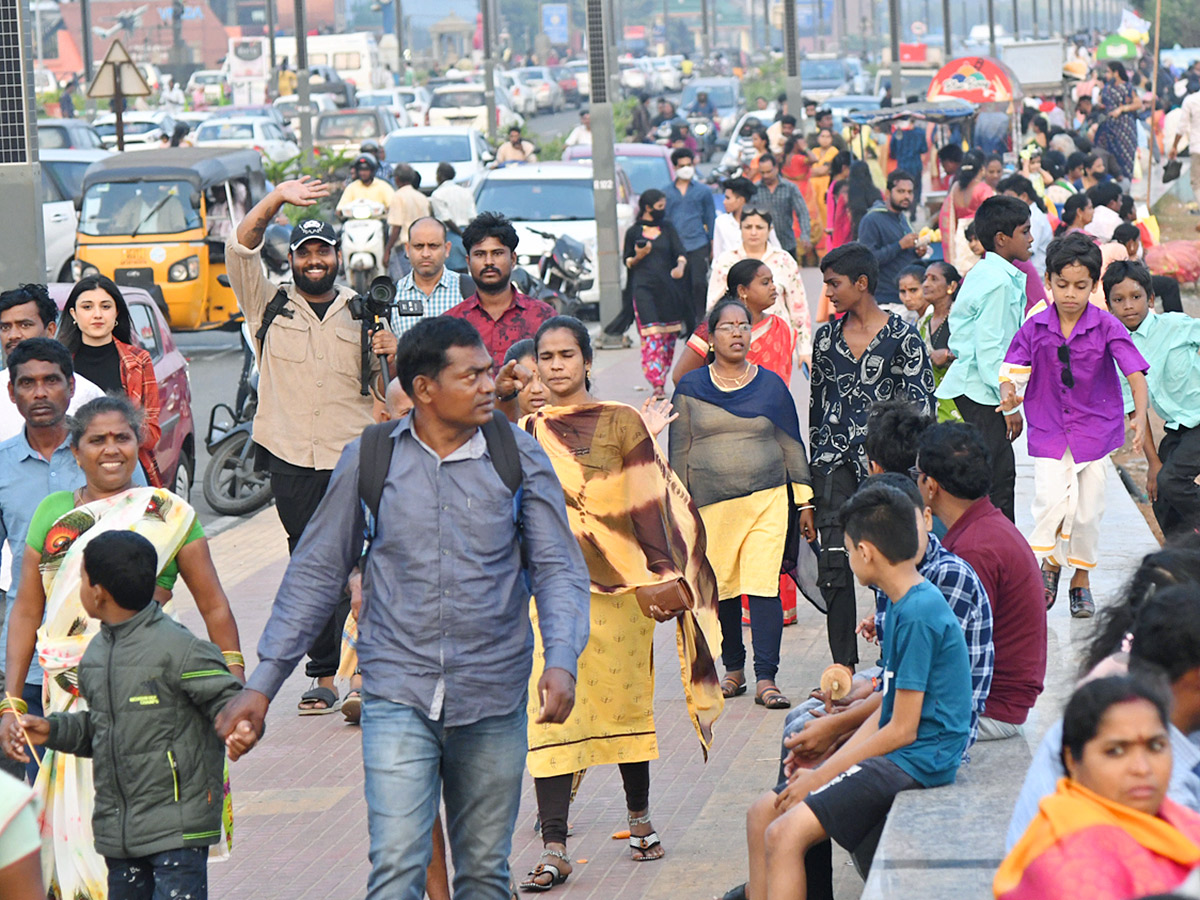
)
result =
(564, 269)
(363, 241)
(234, 483)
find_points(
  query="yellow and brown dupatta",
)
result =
(637, 525)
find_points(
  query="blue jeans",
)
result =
(172, 875)
(410, 763)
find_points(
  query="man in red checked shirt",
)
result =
(500, 313)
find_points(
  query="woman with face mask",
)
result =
(655, 259)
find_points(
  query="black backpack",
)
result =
(376, 455)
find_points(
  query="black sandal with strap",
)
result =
(643, 843)
(731, 687)
(556, 875)
(772, 698)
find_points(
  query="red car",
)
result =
(176, 451)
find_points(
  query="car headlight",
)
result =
(185, 270)
(82, 270)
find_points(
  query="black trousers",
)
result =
(1167, 290)
(298, 493)
(830, 491)
(554, 798)
(994, 431)
(695, 279)
(1178, 505)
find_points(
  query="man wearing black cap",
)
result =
(309, 400)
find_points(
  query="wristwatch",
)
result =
(507, 397)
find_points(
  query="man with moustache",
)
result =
(309, 400)
(500, 313)
(437, 287)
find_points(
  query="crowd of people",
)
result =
(515, 629)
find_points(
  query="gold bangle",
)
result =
(14, 705)
(234, 658)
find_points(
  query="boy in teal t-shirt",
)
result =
(917, 737)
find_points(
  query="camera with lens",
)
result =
(372, 309)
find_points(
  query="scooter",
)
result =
(234, 483)
(363, 242)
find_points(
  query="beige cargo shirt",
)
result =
(309, 400)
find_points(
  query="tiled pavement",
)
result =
(300, 826)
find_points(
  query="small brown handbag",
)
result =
(670, 596)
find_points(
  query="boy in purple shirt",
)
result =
(1064, 356)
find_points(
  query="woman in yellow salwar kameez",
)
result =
(637, 527)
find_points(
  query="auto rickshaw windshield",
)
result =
(138, 207)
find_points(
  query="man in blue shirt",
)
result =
(34, 463)
(445, 644)
(910, 149)
(886, 232)
(430, 281)
(693, 213)
(926, 693)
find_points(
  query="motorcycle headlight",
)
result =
(700, 130)
(362, 211)
(185, 270)
(571, 267)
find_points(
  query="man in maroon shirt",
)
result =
(954, 474)
(500, 313)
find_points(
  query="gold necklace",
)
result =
(730, 384)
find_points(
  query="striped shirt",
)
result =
(965, 593)
(446, 293)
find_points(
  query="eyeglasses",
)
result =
(733, 328)
(915, 473)
(1064, 357)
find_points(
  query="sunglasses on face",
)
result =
(1064, 357)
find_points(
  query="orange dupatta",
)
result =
(1073, 808)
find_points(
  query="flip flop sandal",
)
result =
(731, 687)
(737, 893)
(772, 698)
(556, 875)
(319, 695)
(643, 844)
(1050, 585)
(352, 707)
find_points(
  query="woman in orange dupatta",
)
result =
(795, 167)
(1109, 832)
(637, 527)
(822, 157)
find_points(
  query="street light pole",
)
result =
(992, 27)
(489, 71)
(303, 99)
(792, 83)
(704, 32)
(946, 46)
(894, 27)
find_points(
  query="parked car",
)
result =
(391, 99)
(545, 87)
(569, 83)
(250, 133)
(520, 95)
(287, 104)
(423, 148)
(67, 134)
(724, 93)
(654, 83)
(646, 165)
(326, 80)
(416, 100)
(176, 450)
(633, 77)
(257, 111)
(580, 69)
(62, 186)
(212, 81)
(554, 198)
(464, 104)
(343, 130)
(142, 130)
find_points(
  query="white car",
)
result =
(416, 100)
(250, 133)
(62, 185)
(464, 104)
(288, 103)
(423, 148)
(671, 77)
(142, 130)
(579, 68)
(520, 95)
(633, 77)
(545, 87)
(390, 98)
(555, 198)
(211, 80)
(654, 83)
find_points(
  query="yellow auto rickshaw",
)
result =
(159, 219)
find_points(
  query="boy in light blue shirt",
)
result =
(1170, 343)
(987, 312)
(916, 738)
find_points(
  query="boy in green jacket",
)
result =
(153, 691)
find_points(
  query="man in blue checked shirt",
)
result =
(437, 287)
(693, 212)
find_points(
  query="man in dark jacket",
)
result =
(886, 232)
(153, 691)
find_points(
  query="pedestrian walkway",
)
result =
(300, 818)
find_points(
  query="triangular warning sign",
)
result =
(117, 70)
